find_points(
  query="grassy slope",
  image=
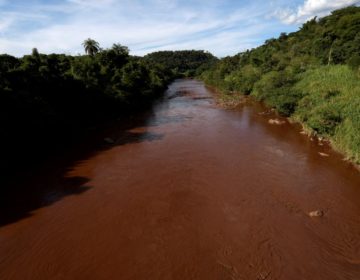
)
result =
(330, 106)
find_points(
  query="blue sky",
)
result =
(223, 27)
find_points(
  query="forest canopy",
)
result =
(50, 98)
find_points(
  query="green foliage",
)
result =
(354, 61)
(275, 89)
(243, 80)
(331, 105)
(182, 63)
(115, 57)
(91, 47)
(87, 70)
(56, 96)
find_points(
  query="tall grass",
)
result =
(331, 106)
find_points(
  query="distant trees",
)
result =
(91, 47)
(57, 96)
(182, 63)
(331, 40)
(119, 49)
(51, 98)
(35, 53)
(114, 57)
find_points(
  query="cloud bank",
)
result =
(311, 8)
(223, 27)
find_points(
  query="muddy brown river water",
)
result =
(194, 192)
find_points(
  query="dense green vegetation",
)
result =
(49, 99)
(182, 63)
(311, 75)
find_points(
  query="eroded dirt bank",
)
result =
(195, 192)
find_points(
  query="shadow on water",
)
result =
(42, 183)
(47, 182)
(20, 198)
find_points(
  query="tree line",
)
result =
(47, 99)
(187, 63)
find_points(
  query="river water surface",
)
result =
(194, 192)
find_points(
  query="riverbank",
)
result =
(311, 76)
(232, 100)
(227, 100)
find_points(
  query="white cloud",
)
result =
(143, 25)
(312, 8)
(5, 23)
(97, 4)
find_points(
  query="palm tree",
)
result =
(91, 47)
(120, 49)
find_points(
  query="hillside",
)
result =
(311, 75)
(182, 63)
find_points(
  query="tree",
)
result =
(35, 53)
(120, 49)
(91, 47)
(115, 57)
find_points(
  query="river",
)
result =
(192, 191)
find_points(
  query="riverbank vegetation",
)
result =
(48, 100)
(311, 75)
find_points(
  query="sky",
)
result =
(223, 27)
